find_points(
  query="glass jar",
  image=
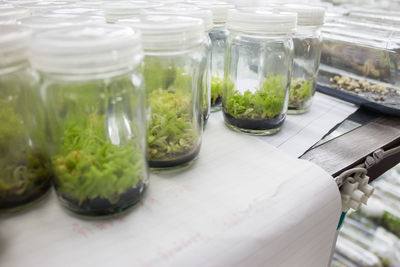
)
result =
(218, 36)
(173, 70)
(259, 60)
(307, 53)
(184, 9)
(25, 172)
(94, 98)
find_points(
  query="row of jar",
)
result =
(306, 42)
(91, 110)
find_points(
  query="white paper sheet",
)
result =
(243, 203)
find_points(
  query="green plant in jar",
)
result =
(171, 132)
(217, 86)
(98, 159)
(300, 92)
(264, 103)
(25, 171)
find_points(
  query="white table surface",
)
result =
(238, 205)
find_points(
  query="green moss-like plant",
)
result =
(300, 92)
(265, 103)
(25, 171)
(171, 131)
(89, 166)
(217, 88)
(88, 163)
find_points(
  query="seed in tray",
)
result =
(357, 86)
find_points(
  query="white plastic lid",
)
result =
(114, 11)
(90, 4)
(79, 11)
(219, 9)
(160, 33)
(7, 21)
(86, 50)
(169, 2)
(43, 7)
(184, 10)
(13, 13)
(13, 45)
(22, 2)
(261, 20)
(88, 19)
(307, 15)
(48, 22)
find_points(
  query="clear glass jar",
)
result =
(173, 70)
(307, 53)
(94, 97)
(25, 172)
(259, 60)
(218, 36)
(185, 9)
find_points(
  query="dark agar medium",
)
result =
(104, 207)
(178, 163)
(266, 126)
(216, 104)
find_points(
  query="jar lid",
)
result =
(307, 15)
(41, 7)
(13, 13)
(168, 32)
(86, 49)
(184, 10)
(219, 9)
(54, 21)
(21, 2)
(261, 20)
(13, 45)
(85, 19)
(90, 4)
(114, 11)
(79, 11)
